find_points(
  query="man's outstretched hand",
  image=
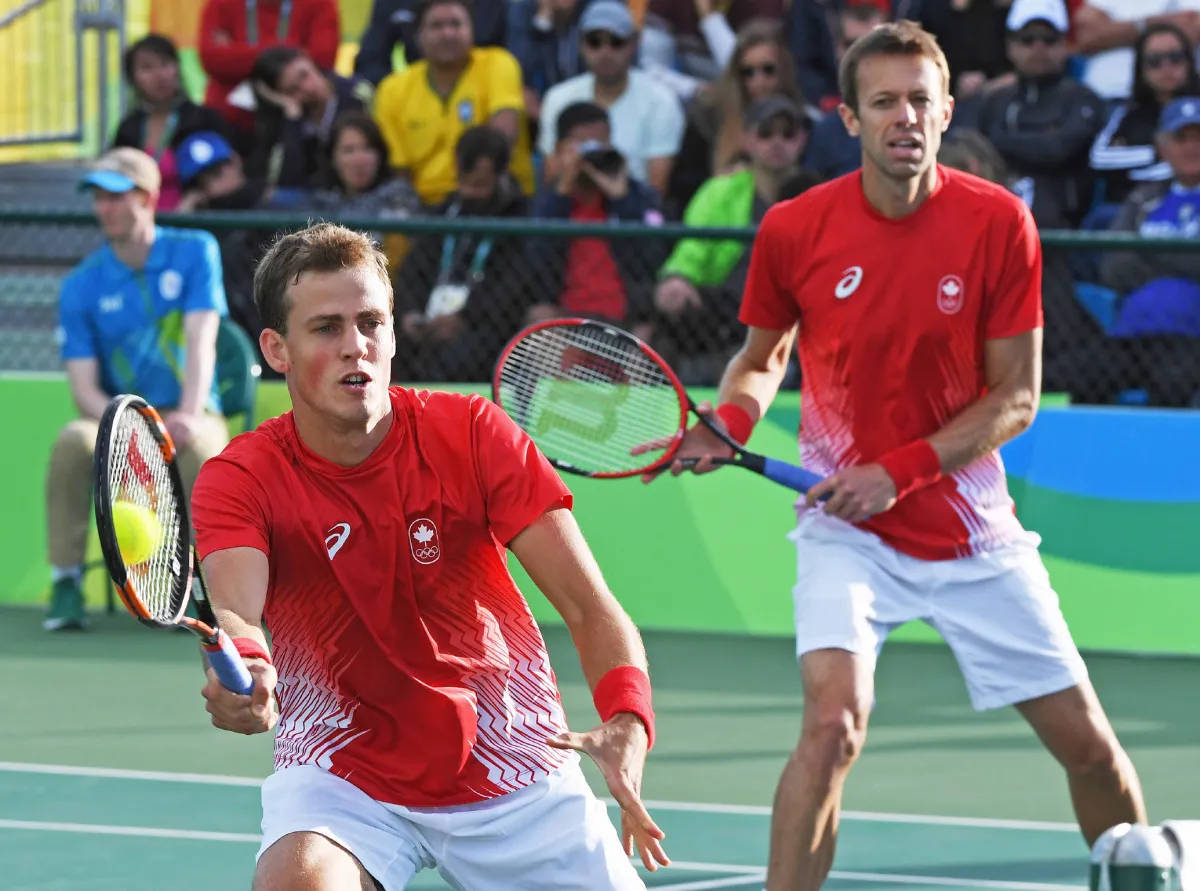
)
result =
(618, 746)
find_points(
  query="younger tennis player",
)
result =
(915, 295)
(419, 722)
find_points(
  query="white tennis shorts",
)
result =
(996, 610)
(553, 834)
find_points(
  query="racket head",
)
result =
(135, 462)
(587, 392)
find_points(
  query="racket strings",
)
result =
(587, 397)
(138, 473)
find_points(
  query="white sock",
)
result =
(58, 573)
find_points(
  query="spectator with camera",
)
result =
(1124, 153)
(591, 276)
(759, 66)
(700, 286)
(458, 294)
(165, 115)
(646, 117)
(296, 109)
(424, 109)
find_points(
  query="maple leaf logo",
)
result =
(423, 534)
(950, 288)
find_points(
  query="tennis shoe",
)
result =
(66, 607)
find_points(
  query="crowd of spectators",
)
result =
(700, 111)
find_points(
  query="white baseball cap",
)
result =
(1053, 12)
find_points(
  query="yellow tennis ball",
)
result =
(138, 531)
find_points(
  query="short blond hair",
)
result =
(324, 247)
(902, 38)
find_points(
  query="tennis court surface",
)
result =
(111, 777)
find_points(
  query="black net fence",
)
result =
(1122, 317)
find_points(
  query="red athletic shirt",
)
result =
(893, 315)
(409, 663)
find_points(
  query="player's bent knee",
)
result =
(837, 734)
(1097, 755)
(309, 861)
(78, 436)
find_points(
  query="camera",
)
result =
(602, 156)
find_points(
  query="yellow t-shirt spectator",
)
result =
(422, 129)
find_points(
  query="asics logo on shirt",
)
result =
(848, 283)
(336, 537)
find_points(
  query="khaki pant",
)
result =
(69, 481)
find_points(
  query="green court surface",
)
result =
(112, 778)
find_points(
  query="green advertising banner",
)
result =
(1113, 492)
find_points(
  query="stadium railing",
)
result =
(1084, 358)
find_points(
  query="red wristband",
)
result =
(913, 466)
(736, 420)
(626, 688)
(249, 648)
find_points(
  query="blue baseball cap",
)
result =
(199, 151)
(1179, 113)
(121, 170)
(608, 15)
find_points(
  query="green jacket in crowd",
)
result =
(722, 201)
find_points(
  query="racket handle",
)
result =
(789, 475)
(227, 662)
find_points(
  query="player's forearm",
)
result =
(751, 381)
(200, 364)
(236, 582)
(984, 426)
(83, 376)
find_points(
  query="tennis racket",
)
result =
(588, 393)
(136, 475)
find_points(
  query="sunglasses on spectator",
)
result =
(1173, 57)
(600, 39)
(782, 130)
(1047, 38)
(748, 71)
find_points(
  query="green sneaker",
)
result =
(66, 607)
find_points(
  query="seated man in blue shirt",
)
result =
(138, 315)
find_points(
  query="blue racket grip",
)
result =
(227, 662)
(789, 475)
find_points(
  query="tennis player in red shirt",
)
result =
(913, 294)
(419, 722)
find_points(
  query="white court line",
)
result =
(690, 806)
(738, 875)
(864, 816)
(138, 831)
(119, 774)
(899, 879)
(736, 882)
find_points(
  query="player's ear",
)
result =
(274, 350)
(949, 114)
(849, 118)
